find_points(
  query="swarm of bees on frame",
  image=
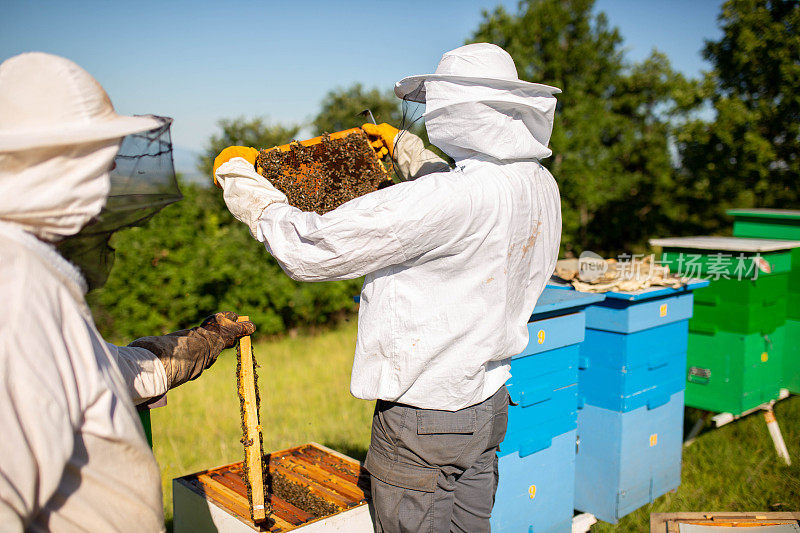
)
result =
(298, 495)
(245, 440)
(323, 176)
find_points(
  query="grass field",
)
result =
(305, 395)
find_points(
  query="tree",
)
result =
(192, 259)
(749, 154)
(611, 136)
(340, 109)
(255, 132)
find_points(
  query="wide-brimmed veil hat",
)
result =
(70, 109)
(476, 64)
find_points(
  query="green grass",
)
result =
(305, 396)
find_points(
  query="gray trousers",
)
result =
(435, 471)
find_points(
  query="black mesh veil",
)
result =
(142, 183)
(413, 120)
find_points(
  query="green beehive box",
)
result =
(766, 223)
(773, 224)
(737, 318)
(749, 280)
(144, 416)
(763, 291)
(746, 306)
(792, 306)
(737, 338)
(733, 372)
(779, 224)
(791, 357)
(726, 257)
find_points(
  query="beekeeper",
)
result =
(454, 263)
(73, 455)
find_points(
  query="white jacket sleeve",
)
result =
(142, 371)
(413, 159)
(380, 229)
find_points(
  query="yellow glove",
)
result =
(229, 153)
(381, 137)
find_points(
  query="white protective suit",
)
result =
(454, 261)
(73, 456)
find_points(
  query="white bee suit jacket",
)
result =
(73, 456)
(454, 260)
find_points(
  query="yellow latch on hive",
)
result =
(540, 336)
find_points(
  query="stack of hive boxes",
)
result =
(537, 457)
(785, 225)
(737, 333)
(631, 381)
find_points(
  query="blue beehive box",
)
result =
(631, 382)
(626, 460)
(535, 493)
(537, 458)
(634, 353)
(544, 376)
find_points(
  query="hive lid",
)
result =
(657, 292)
(787, 214)
(642, 294)
(725, 244)
(564, 299)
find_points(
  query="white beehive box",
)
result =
(216, 499)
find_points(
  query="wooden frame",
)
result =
(670, 522)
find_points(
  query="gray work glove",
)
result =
(186, 353)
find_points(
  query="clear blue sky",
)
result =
(201, 61)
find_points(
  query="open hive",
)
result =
(306, 485)
(322, 173)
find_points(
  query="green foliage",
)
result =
(255, 132)
(193, 259)
(611, 136)
(340, 109)
(748, 155)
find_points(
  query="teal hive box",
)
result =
(537, 458)
(544, 376)
(626, 460)
(634, 353)
(536, 492)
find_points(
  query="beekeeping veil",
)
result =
(73, 171)
(476, 106)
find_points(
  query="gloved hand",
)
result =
(186, 353)
(381, 137)
(246, 192)
(248, 154)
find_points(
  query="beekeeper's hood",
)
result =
(59, 135)
(475, 104)
(73, 171)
